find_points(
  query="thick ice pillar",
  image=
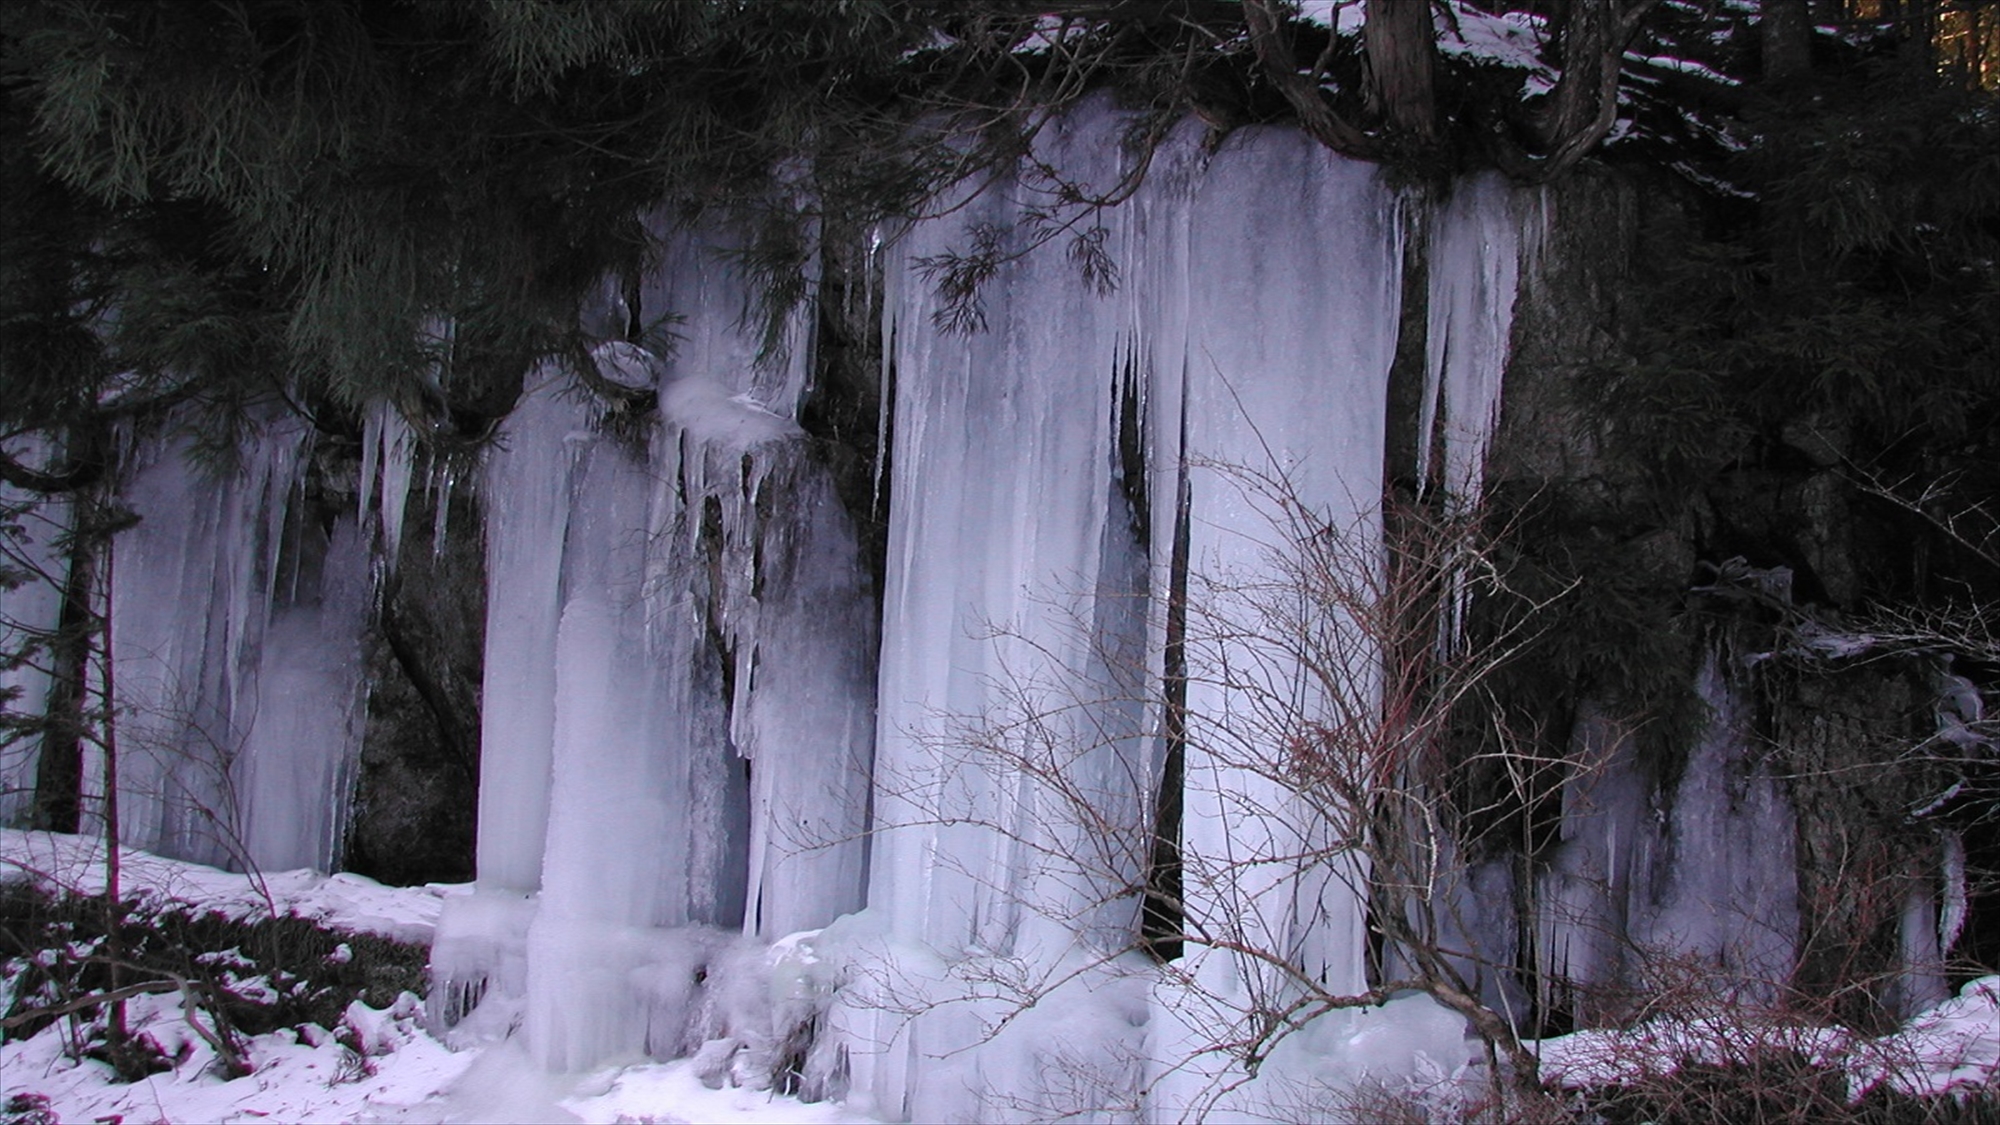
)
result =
(1011, 789)
(679, 696)
(1291, 296)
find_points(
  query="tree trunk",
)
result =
(1584, 105)
(1401, 41)
(1280, 67)
(59, 768)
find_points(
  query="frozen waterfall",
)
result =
(734, 805)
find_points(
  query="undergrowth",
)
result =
(247, 977)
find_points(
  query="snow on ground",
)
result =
(1953, 1047)
(309, 1077)
(381, 1065)
(405, 1076)
(398, 1074)
(75, 864)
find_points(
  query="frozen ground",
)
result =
(401, 1073)
(1952, 1048)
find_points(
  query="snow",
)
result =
(399, 1074)
(1951, 1046)
(295, 1078)
(1682, 66)
(75, 865)
(1345, 17)
(1510, 39)
(379, 1065)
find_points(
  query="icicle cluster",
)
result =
(236, 626)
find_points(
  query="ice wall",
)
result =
(1055, 478)
(30, 605)
(236, 621)
(1651, 885)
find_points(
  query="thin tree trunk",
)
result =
(59, 767)
(114, 946)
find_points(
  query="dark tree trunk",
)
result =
(59, 768)
(1584, 105)
(1280, 67)
(1401, 41)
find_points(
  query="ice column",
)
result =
(1014, 593)
(679, 693)
(1289, 273)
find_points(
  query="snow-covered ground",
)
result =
(1952, 1048)
(400, 1074)
(382, 1065)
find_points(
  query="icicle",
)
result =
(389, 447)
(1951, 919)
(443, 482)
(1474, 271)
(889, 297)
(1921, 981)
(1002, 541)
(371, 464)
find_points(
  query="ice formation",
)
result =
(236, 640)
(29, 603)
(1704, 871)
(731, 806)
(679, 691)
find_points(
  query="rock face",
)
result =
(1741, 558)
(416, 789)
